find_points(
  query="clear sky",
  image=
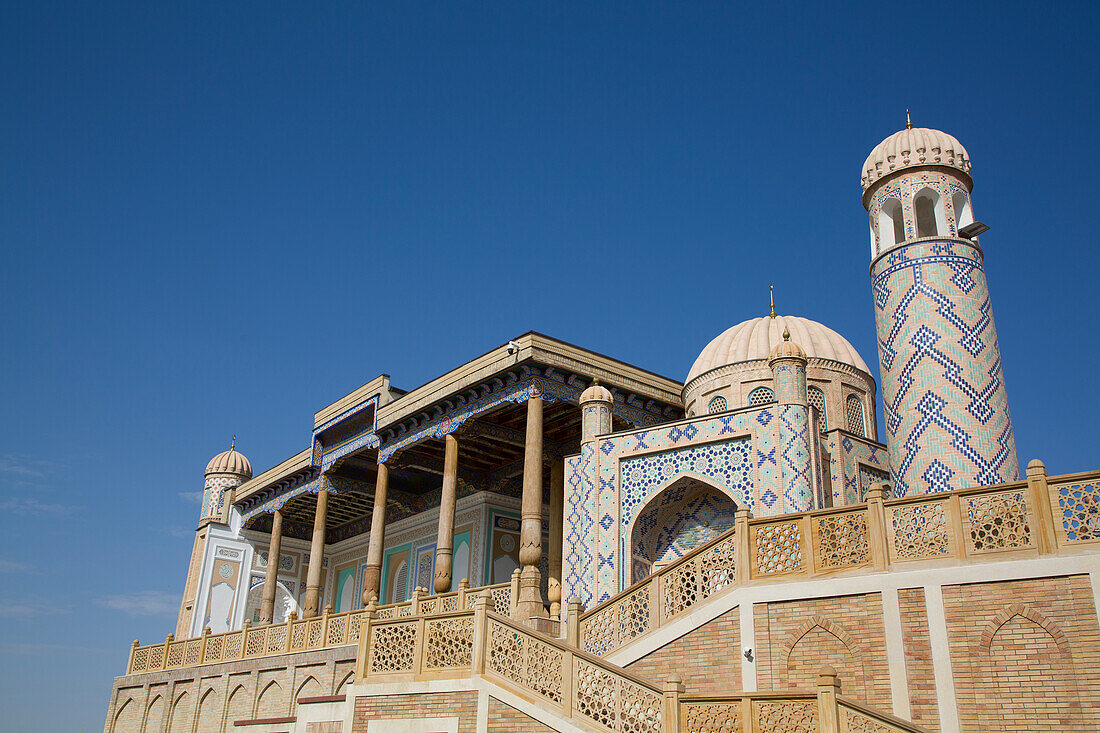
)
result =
(216, 219)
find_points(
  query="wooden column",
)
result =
(530, 538)
(557, 506)
(316, 556)
(445, 538)
(267, 605)
(372, 573)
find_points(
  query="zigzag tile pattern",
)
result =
(944, 396)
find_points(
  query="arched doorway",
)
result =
(686, 514)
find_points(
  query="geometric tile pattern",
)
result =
(853, 461)
(760, 457)
(681, 518)
(944, 397)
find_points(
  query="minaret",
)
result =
(943, 392)
(224, 473)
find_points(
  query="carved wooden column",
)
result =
(445, 539)
(316, 555)
(530, 538)
(372, 573)
(557, 506)
(267, 605)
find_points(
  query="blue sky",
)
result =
(214, 220)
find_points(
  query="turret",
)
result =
(224, 473)
(943, 392)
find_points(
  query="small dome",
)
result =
(787, 349)
(596, 392)
(911, 147)
(230, 461)
(754, 339)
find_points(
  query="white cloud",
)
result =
(11, 566)
(28, 505)
(23, 466)
(11, 608)
(143, 603)
(194, 497)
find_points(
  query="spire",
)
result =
(233, 443)
(771, 297)
(908, 122)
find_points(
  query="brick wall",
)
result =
(504, 718)
(1024, 654)
(919, 674)
(229, 691)
(796, 638)
(462, 705)
(708, 658)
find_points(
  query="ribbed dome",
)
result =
(911, 147)
(230, 462)
(755, 339)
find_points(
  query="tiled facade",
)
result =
(944, 398)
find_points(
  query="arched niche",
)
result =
(891, 224)
(687, 513)
(929, 212)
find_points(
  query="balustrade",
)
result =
(297, 635)
(1040, 515)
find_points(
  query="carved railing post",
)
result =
(167, 645)
(744, 546)
(289, 630)
(654, 590)
(828, 713)
(1042, 519)
(244, 636)
(876, 526)
(364, 641)
(573, 622)
(463, 587)
(416, 600)
(202, 644)
(324, 626)
(515, 594)
(130, 663)
(674, 687)
(480, 654)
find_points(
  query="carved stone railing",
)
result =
(298, 635)
(783, 712)
(533, 665)
(1039, 516)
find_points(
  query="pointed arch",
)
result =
(1028, 662)
(154, 715)
(238, 706)
(1027, 612)
(348, 679)
(891, 224)
(686, 512)
(270, 702)
(929, 212)
(127, 717)
(180, 720)
(960, 205)
(305, 690)
(819, 641)
(209, 711)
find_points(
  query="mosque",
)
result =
(549, 539)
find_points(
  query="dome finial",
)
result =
(233, 443)
(786, 334)
(908, 122)
(771, 297)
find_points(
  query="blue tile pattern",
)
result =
(944, 397)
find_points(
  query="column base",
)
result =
(529, 604)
